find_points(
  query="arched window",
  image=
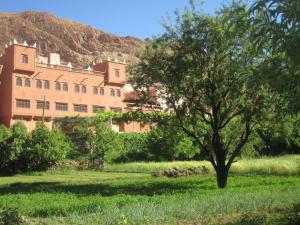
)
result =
(77, 88)
(83, 89)
(19, 81)
(38, 84)
(47, 84)
(95, 90)
(112, 92)
(58, 86)
(27, 82)
(65, 87)
(101, 91)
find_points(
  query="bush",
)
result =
(44, 148)
(100, 141)
(10, 216)
(11, 147)
(167, 143)
(179, 172)
(21, 151)
(135, 147)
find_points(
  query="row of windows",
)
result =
(60, 106)
(64, 86)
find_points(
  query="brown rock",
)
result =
(77, 43)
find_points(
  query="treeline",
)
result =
(96, 143)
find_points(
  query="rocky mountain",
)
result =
(75, 42)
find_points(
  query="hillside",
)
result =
(77, 43)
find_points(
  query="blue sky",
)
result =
(139, 18)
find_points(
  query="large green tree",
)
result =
(204, 68)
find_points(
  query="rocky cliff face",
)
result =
(75, 42)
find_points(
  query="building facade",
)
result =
(34, 88)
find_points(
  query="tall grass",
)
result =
(282, 165)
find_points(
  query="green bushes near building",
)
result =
(22, 151)
(97, 143)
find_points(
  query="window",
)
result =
(47, 84)
(57, 86)
(95, 90)
(19, 81)
(65, 87)
(118, 92)
(27, 82)
(77, 88)
(80, 108)
(38, 84)
(101, 91)
(22, 103)
(116, 109)
(117, 73)
(83, 89)
(61, 106)
(25, 58)
(40, 105)
(97, 108)
(112, 92)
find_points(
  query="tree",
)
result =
(277, 34)
(205, 69)
(12, 144)
(99, 139)
(44, 148)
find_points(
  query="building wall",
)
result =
(103, 75)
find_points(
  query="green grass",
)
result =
(283, 165)
(92, 197)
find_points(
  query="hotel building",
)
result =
(34, 88)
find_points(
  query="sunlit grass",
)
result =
(282, 165)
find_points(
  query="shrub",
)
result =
(101, 142)
(179, 172)
(167, 143)
(11, 147)
(135, 147)
(44, 148)
(10, 216)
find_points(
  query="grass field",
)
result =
(127, 194)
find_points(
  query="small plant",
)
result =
(10, 216)
(179, 172)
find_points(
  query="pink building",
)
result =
(33, 87)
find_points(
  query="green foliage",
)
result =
(23, 151)
(10, 216)
(12, 146)
(168, 143)
(277, 35)
(45, 147)
(4, 133)
(101, 142)
(281, 137)
(135, 147)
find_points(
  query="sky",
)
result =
(139, 18)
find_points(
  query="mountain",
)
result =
(75, 42)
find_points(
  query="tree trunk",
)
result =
(222, 175)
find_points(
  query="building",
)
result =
(34, 88)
